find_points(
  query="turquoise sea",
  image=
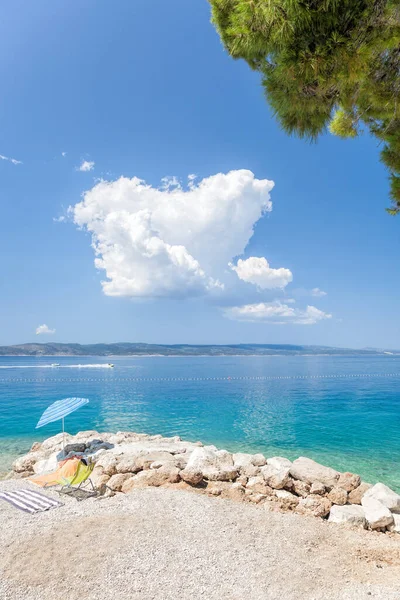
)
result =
(342, 411)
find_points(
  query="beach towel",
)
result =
(29, 500)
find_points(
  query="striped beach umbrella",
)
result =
(60, 409)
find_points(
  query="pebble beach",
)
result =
(176, 519)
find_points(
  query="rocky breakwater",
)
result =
(126, 461)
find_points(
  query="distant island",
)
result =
(138, 349)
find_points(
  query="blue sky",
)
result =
(149, 92)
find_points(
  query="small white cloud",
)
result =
(14, 161)
(86, 165)
(170, 182)
(59, 219)
(44, 329)
(191, 179)
(317, 293)
(256, 270)
(154, 242)
(276, 313)
(64, 154)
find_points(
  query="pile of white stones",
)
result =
(125, 461)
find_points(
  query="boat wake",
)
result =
(58, 366)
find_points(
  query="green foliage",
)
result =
(324, 64)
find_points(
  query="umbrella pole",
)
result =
(63, 433)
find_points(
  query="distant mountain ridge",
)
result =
(139, 349)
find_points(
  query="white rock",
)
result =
(395, 526)
(56, 441)
(351, 514)
(27, 462)
(240, 459)
(385, 495)
(214, 465)
(279, 462)
(309, 471)
(284, 494)
(257, 485)
(258, 460)
(376, 513)
(276, 478)
(47, 465)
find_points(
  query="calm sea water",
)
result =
(342, 411)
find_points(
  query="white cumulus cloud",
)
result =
(276, 312)
(256, 270)
(86, 165)
(14, 161)
(44, 329)
(168, 241)
(317, 293)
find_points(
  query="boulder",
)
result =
(157, 477)
(181, 460)
(286, 501)
(128, 485)
(348, 481)
(250, 471)
(87, 435)
(191, 476)
(275, 477)
(377, 515)
(35, 446)
(27, 462)
(214, 465)
(257, 485)
(258, 460)
(241, 459)
(56, 441)
(318, 488)
(279, 463)
(385, 495)
(338, 495)
(308, 470)
(350, 514)
(216, 488)
(99, 478)
(356, 495)
(128, 464)
(116, 482)
(235, 492)
(301, 488)
(285, 495)
(144, 460)
(108, 462)
(46, 465)
(315, 505)
(395, 526)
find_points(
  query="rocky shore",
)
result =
(127, 461)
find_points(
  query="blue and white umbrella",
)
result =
(60, 409)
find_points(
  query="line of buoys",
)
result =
(112, 379)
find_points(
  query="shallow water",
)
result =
(343, 411)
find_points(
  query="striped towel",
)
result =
(29, 501)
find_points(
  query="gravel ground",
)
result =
(162, 544)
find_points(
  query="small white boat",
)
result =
(110, 365)
(55, 364)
